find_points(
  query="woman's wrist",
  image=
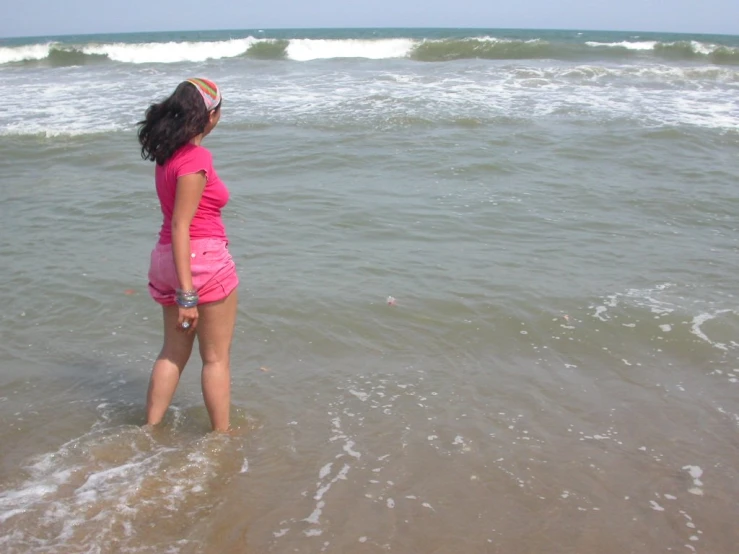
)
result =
(186, 298)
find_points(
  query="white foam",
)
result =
(322, 490)
(171, 52)
(94, 484)
(363, 396)
(65, 104)
(10, 513)
(315, 517)
(656, 506)
(57, 129)
(643, 298)
(695, 471)
(30, 493)
(22, 53)
(643, 45)
(325, 471)
(311, 49)
(325, 488)
(600, 313)
(702, 48)
(96, 480)
(349, 449)
(698, 332)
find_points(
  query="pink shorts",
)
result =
(213, 271)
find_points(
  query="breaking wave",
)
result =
(302, 50)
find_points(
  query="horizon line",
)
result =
(263, 29)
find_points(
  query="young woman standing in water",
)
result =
(192, 275)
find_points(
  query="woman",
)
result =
(192, 275)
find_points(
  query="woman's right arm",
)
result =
(187, 198)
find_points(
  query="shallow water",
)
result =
(557, 372)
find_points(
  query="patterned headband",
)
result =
(209, 91)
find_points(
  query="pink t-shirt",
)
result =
(207, 222)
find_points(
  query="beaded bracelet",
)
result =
(186, 298)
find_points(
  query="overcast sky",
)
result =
(60, 17)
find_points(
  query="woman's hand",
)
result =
(187, 319)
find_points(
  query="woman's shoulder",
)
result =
(190, 149)
(201, 152)
(192, 152)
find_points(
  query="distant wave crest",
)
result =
(303, 50)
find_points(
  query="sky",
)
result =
(63, 17)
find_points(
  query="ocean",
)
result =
(488, 295)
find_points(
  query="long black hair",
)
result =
(171, 124)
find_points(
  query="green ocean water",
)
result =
(430, 45)
(554, 214)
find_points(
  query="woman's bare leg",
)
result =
(168, 367)
(215, 332)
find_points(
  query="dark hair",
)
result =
(170, 124)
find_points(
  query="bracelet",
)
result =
(186, 298)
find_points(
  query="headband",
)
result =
(209, 91)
